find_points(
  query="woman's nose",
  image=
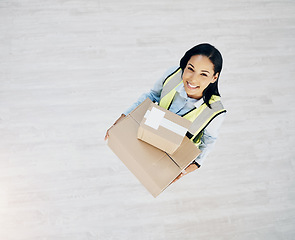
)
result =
(195, 78)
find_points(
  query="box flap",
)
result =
(162, 128)
(138, 113)
(187, 150)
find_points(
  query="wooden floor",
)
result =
(68, 68)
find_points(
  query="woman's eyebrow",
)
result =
(205, 71)
(191, 65)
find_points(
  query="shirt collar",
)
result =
(181, 91)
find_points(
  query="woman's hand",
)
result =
(192, 167)
(118, 120)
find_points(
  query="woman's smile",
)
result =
(191, 86)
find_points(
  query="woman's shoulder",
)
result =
(171, 70)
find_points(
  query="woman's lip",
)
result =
(191, 86)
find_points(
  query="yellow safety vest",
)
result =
(200, 117)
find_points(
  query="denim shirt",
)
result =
(181, 105)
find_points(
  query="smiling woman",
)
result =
(191, 91)
(197, 75)
(211, 57)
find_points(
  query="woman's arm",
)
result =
(154, 94)
(209, 138)
(192, 167)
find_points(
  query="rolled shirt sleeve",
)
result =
(209, 138)
(154, 94)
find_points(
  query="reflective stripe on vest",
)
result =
(200, 117)
(168, 91)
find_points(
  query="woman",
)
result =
(191, 91)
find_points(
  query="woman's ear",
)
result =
(215, 77)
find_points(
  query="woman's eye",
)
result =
(203, 74)
(189, 68)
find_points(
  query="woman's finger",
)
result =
(177, 178)
(107, 134)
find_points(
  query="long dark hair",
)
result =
(215, 57)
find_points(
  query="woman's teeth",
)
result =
(191, 86)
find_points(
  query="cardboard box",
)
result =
(154, 168)
(162, 128)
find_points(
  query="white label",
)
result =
(156, 118)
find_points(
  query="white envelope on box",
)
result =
(162, 128)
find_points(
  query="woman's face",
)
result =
(197, 75)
